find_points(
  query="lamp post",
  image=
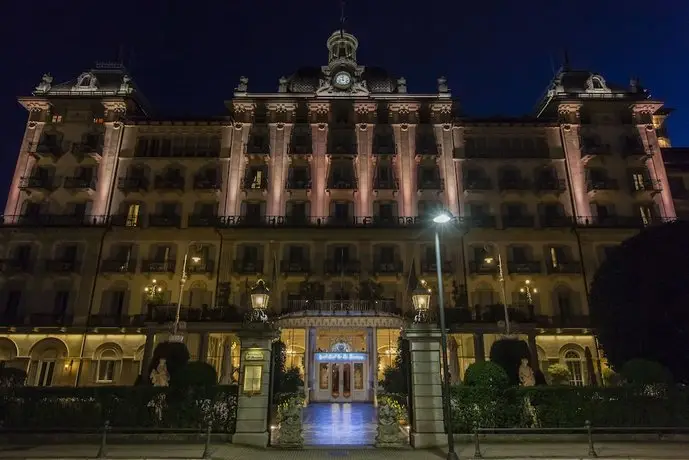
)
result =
(176, 337)
(529, 291)
(152, 290)
(443, 218)
(260, 295)
(489, 259)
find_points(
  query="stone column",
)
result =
(428, 423)
(313, 369)
(479, 348)
(307, 363)
(148, 354)
(373, 363)
(252, 408)
(203, 347)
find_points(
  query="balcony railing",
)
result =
(619, 221)
(109, 320)
(563, 268)
(201, 267)
(478, 185)
(37, 183)
(513, 184)
(524, 267)
(322, 221)
(118, 266)
(248, 267)
(480, 221)
(342, 184)
(554, 185)
(50, 320)
(203, 183)
(388, 267)
(202, 220)
(601, 184)
(62, 266)
(342, 307)
(252, 183)
(482, 268)
(294, 184)
(556, 221)
(164, 220)
(521, 221)
(132, 184)
(159, 266)
(167, 313)
(15, 265)
(647, 185)
(82, 183)
(292, 266)
(386, 184)
(53, 220)
(300, 148)
(428, 266)
(434, 184)
(169, 183)
(336, 267)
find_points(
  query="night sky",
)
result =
(498, 55)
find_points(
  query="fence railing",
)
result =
(342, 307)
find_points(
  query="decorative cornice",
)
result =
(442, 107)
(242, 107)
(319, 107)
(404, 107)
(115, 105)
(282, 106)
(646, 107)
(364, 108)
(569, 107)
(34, 104)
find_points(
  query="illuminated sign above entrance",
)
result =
(341, 356)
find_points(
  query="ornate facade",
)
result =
(324, 189)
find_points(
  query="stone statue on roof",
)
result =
(243, 85)
(45, 84)
(442, 85)
(282, 85)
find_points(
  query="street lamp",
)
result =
(528, 290)
(260, 295)
(421, 298)
(489, 259)
(440, 219)
(176, 337)
(153, 290)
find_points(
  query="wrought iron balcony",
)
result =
(118, 266)
(524, 267)
(203, 183)
(80, 183)
(395, 267)
(342, 148)
(132, 184)
(434, 184)
(429, 266)
(342, 307)
(12, 318)
(648, 185)
(252, 183)
(50, 320)
(601, 184)
(518, 221)
(295, 266)
(513, 184)
(15, 265)
(563, 321)
(336, 267)
(556, 221)
(482, 268)
(125, 220)
(619, 221)
(554, 185)
(46, 183)
(480, 221)
(203, 220)
(384, 145)
(300, 148)
(169, 183)
(62, 266)
(53, 220)
(164, 220)
(342, 184)
(42, 149)
(167, 313)
(159, 266)
(563, 267)
(201, 267)
(386, 184)
(110, 320)
(293, 184)
(478, 185)
(248, 267)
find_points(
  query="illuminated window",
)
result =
(107, 363)
(575, 365)
(133, 215)
(57, 118)
(98, 121)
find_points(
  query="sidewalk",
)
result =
(516, 451)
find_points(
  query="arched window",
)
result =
(107, 366)
(596, 83)
(46, 368)
(575, 364)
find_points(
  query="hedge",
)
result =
(140, 406)
(568, 407)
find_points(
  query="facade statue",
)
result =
(389, 433)
(402, 85)
(45, 84)
(160, 377)
(526, 375)
(282, 85)
(243, 85)
(442, 85)
(126, 85)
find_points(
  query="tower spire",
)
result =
(342, 17)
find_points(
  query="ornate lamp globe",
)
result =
(421, 298)
(260, 294)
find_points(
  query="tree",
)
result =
(176, 358)
(197, 374)
(486, 374)
(639, 298)
(395, 376)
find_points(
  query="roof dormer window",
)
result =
(86, 82)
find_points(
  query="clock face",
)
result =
(343, 80)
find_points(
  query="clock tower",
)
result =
(343, 74)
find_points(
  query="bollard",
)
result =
(589, 433)
(207, 447)
(102, 452)
(477, 442)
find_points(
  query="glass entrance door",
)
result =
(340, 381)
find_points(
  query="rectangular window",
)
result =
(257, 179)
(106, 371)
(116, 304)
(296, 254)
(558, 256)
(638, 180)
(133, 215)
(44, 375)
(387, 254)
(341, 211)
(341, 254)
(385, 211)
(519, 254)
(323, 376)
(14, 298)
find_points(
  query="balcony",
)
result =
(54, 220)
(118, 266)
(109, 320)
(295, 266)
(15, 265)
(556, 221)
(50, 320)
(634, 148)
(300, 148)
(38, 183)
(132, 184)
(518, 221)
(159, 266)
(431, 267)
(482, 268)
(204, 184)
(172, 183)
(342, 184)
(480, 221)
(433, 184)
(506, 184)
(646, 186)
(295, 184)
(395, 267)
(202, 220)
(341, 307)
(93, 150)
(342, 148)
(79, 183)
(564, 268)
(259, 145)
(386, 184)
(550, 186)
(478, 185)
(563, 321)
(202, 267)
(618, 221)
(166, 313)
(384, 145)
(255, 183)
(590, 150)
(164, 220)
(337, 267)
(601, 185)
(125, 220)
(46, 149)
(62, 266)
(11, 318)
(248, 267)
(524, 267)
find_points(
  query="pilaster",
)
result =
(225, 165)
(115, 110)
(364, 169)
(278, 165)
(319, 163)
(570, 132)
(442, 112)
(238, 160)
(405, 140)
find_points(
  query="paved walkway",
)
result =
(339, 424)
(513, 451)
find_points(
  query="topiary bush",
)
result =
(508, 353)
(559, 374)
(176, 358)
(645, 372)
(486, 374)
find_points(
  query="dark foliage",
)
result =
(197, 373)
(639, 299)
(279, 356)
(508, 354)
(644, 372)
(486, 374)
(12, 377)
(176, 358)
(395, 377)
(291, 381)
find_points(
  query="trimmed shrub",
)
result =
(559, 374)
(508, 353)
(176, 358)
(486, 374)
(645, 372)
